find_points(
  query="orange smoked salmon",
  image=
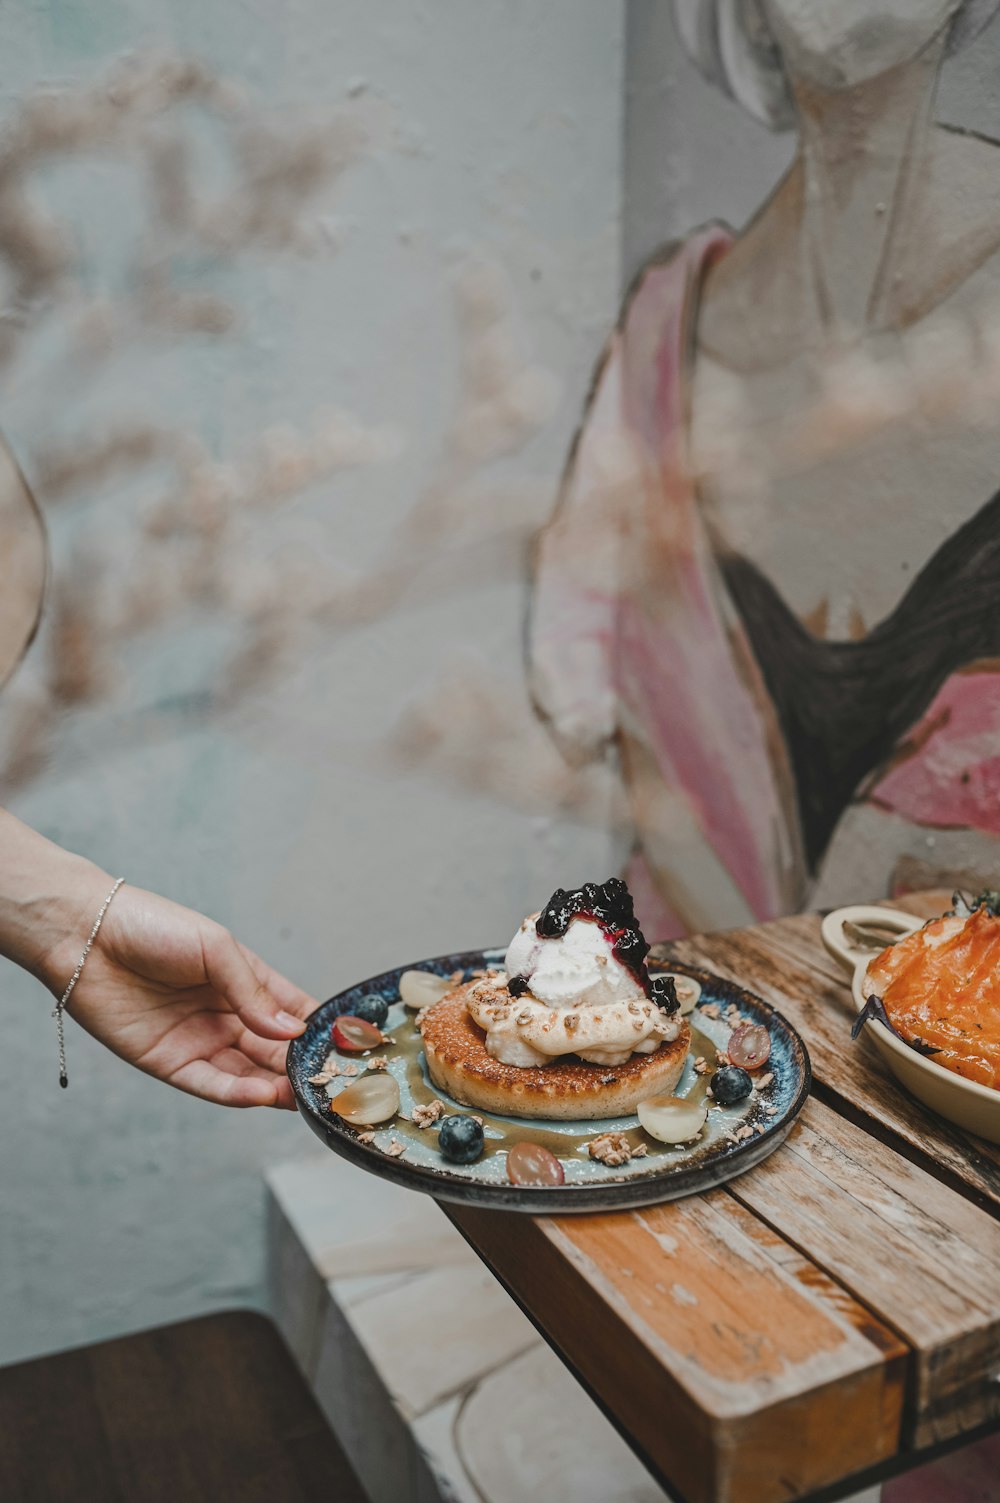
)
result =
(941, 987)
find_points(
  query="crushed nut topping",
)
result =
(523, 1017)
(366, 1137)
(328, 1071)
(424, 1116)
(396, 1149)
(711, 1009)
(378, 1064)
(701, 1065)
(613, 1149)
(764, 1081)
(571, 1022)
(722, 1058)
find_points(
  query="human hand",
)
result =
(173, 993)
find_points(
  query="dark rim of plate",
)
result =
(442, 1184)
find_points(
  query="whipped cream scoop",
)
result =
(568, 993)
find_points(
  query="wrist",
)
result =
(49, 899)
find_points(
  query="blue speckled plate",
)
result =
(667, 1172)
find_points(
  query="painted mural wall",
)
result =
(770, 584)
(299, 305)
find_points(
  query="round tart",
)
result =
(568, 1089)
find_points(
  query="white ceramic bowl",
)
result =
(965, 1102)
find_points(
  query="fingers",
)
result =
(248, 992)
(231, 1080)
(289, 996)
(270, 1054)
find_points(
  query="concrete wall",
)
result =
(125, 1203)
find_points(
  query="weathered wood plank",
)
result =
(779, 963)
(837, 1307)
(742, 1371)
(923, 1259)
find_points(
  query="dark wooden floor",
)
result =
(212, 1409)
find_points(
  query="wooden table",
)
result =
(829, 1318)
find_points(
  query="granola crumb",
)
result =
(611, 1148)
(396, 1149)
(366, 1137)
(425, 1116)
(378, 1064)
(351, 1069)
(640, 1152)
(711, 1009)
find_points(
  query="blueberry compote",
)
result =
(608, 904)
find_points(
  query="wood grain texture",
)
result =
(785, 963)
(833, 1309)
(207, 1411)
(738, 1367)
(925, 1260)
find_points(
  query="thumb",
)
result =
(230, 973)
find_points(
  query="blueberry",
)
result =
(730, 1084)
(460, 1139)
(374, 1009)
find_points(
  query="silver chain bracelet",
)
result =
(59, 1011)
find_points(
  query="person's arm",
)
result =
(165, 988)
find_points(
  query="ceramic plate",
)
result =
(666, 1173)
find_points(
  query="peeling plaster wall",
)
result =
(127, 1204)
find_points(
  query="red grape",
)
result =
(749, 1046)
(355, 1035)
(531, 1164)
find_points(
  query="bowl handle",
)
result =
(849, 951)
